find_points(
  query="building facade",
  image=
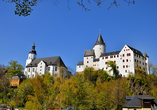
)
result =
(125, 59)
(17, 79)
(140, 102)
(54, 65)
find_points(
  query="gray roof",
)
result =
(89, 53)
(110, 53)
(80, 63)
(49, 61)
(96, 60)
(135, 101)
(145, 55)
(100, 40)
(19, 76)
(155, 101)
(135, 51)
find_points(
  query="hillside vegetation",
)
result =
(92, 90)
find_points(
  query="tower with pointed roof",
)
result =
(99, 47)
(32, 55)
(54, 65)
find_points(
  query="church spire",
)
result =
(33, 49)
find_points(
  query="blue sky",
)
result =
(59, 31)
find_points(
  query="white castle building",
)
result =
(54, 65)
(125, 59)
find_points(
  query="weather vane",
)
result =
(99, 31)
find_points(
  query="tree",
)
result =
(14, 68)
(113, 67)
(24, 7)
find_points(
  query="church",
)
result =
(125, 59)
(54, 65)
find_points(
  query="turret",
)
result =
(147, 62)
(99, 47)
(32, 55)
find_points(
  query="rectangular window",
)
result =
(123, 55)
(111, 56)
(115, 62)
(146, 102)
(125, 71)
(123, 60)
(128, 54)
(56, 68)
(28, 69)
(48, 68)
(126, 60)
(117, 67)
(87, 61)
(33, 69)
(123, 66)
(126, 66)
(114, 56)
(102, 57)
(117, 55)
(106, 57)
(106, 63)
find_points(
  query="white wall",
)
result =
(79, 68)
(99, 49)
(128, 61)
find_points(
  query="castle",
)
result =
(125, 59)
(54, 65)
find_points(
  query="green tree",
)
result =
(24, 89)
(14, 68)
(113, 67)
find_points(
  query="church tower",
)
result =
(32, 55)
(99, 47)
